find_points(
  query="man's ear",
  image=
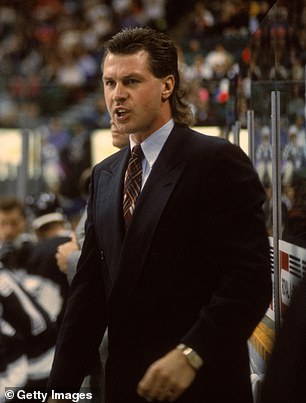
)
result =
(168, 86)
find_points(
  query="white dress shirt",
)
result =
(151, 147)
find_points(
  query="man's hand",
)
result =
(64, 251)
(167, 378)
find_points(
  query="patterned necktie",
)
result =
(132, 183)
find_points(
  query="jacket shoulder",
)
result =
(193, 136)
(208, 146)
(112, 159)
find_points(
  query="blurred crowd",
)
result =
(277, 62)
(50, 78)
(50, 52)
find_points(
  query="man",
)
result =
(12, 219)
(14, 242)
(181, 277)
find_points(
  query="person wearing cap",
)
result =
(49, 219)
(50, 227)
(293, 156)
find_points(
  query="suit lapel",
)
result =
(109, 209)
(164, 176)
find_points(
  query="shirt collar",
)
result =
(152, 145)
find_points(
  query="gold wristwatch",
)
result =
(192, 356)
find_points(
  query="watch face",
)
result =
(196, 362)
(193, 358)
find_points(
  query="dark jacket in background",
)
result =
(286, 372)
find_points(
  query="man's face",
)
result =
(12, 224)
(135, 98)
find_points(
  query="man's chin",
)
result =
(123, 127)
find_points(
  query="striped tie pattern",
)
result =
(132, 183)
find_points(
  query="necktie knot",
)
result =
(137, 152)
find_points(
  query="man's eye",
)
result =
(131, 81)
(109, 83)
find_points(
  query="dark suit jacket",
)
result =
(193, 267)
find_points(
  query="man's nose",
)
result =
(119, 92)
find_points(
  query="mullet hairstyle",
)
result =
(163, 61)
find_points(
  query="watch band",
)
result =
(192, 356)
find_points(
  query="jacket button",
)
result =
(102, 255)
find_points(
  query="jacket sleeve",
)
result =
(84, 321)
(243, 279)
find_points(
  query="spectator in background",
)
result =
(199, 70)
(299, 122)
(264, 156)
(135, 15)
(49, 284)
(14, 241)
(155, 10)
(296, 102)
(12, 219)
(219, 60)
(57, 135)
(55, 141)
(293, 156)
(202, 19)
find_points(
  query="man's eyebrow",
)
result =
(126, 77)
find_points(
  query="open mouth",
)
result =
(120, 112)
